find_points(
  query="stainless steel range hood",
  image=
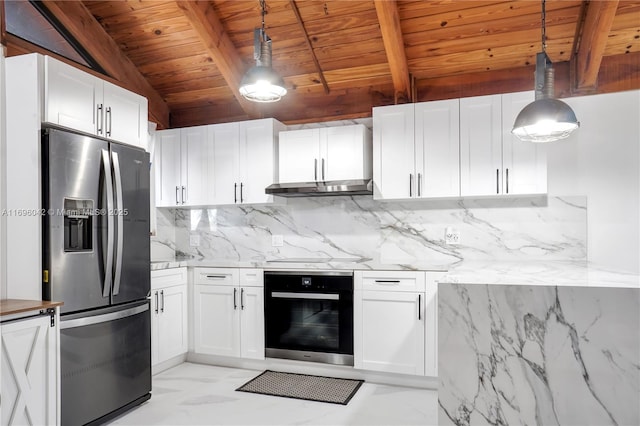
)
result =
(320, 189)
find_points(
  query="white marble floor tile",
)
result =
(194, 394)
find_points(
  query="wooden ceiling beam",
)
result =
(77, 19)
(389, 19)
(207, 25)
(591, 40)
(323, 80)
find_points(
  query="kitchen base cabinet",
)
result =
(169, 337)
(229, 312)
(29, 373)
(389, 321)
(431, 323)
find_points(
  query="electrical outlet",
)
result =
(277, 240)
(194, 240)
(451, 235)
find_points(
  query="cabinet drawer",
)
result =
(168, 277)
(215, 276)
(390, 281)
(252, 277)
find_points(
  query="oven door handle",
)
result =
(316, 296)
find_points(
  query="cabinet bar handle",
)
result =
(410, 185)
(241, 197)
(235, 192)
(235, 303)
(184, 194)
(156, 294)
(177, 191)
(109, 117)
(388, 281)
(497, 181)
(315, 169)
(242, 298)
(99, 121)
(162, 297)
(419, 181)
(323, 169)
(507, 181)
(419, 307)
(217, 277)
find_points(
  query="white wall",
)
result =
(602, 161)
(3, 180)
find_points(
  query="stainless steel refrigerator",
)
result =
(96, 260)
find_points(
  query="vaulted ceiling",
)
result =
(341, 58)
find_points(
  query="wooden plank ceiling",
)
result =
(193, 54)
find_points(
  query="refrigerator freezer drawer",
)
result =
(105, 361)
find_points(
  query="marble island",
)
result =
(538, 354)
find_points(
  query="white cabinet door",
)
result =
(29, 380)
(524, 163)
(125, 115)
(257, 160)
(72, 98)
(437, 148)
(172, 322)
(196, 174)
(344, 153)
(394, 346)
(167, 166)
(252, 322)
(217, 320)
(393, 152)
(481, 145)
(299, 155)
(431, 324)
(225, 140)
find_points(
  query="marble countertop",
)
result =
(581, 274)
(557, 273)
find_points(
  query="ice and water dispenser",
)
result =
(78, 225)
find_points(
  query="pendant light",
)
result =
(261, 83)
(546, 119)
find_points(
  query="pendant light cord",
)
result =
(544, 27)
(263, 7)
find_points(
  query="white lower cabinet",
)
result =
(389, 321)
(229, 312)
(29, 371)
(169, 336)
(431, 324)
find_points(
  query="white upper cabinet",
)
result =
(184, 167)
(73, 98)
(416, 150)
(258, 157)
(230, 163)
(325, 154)
(524, 163)
(81, 101)
(492, 160)
(244, 161)
(125, 115)
(481, 145)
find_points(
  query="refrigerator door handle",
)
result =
(97, 319)
(108, 266)
(119, 213)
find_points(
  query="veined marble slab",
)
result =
(409, 234)
(538, 355)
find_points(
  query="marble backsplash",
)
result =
(406, 233)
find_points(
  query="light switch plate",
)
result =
(277, 240)
(451, 235)
(194, 240)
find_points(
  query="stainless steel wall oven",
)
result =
(309, 316)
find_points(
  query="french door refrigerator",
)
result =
(96, 261)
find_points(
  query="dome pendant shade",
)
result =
(262, 84)
(545, 120)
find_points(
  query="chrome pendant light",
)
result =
(261, 83)
(546, 119)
